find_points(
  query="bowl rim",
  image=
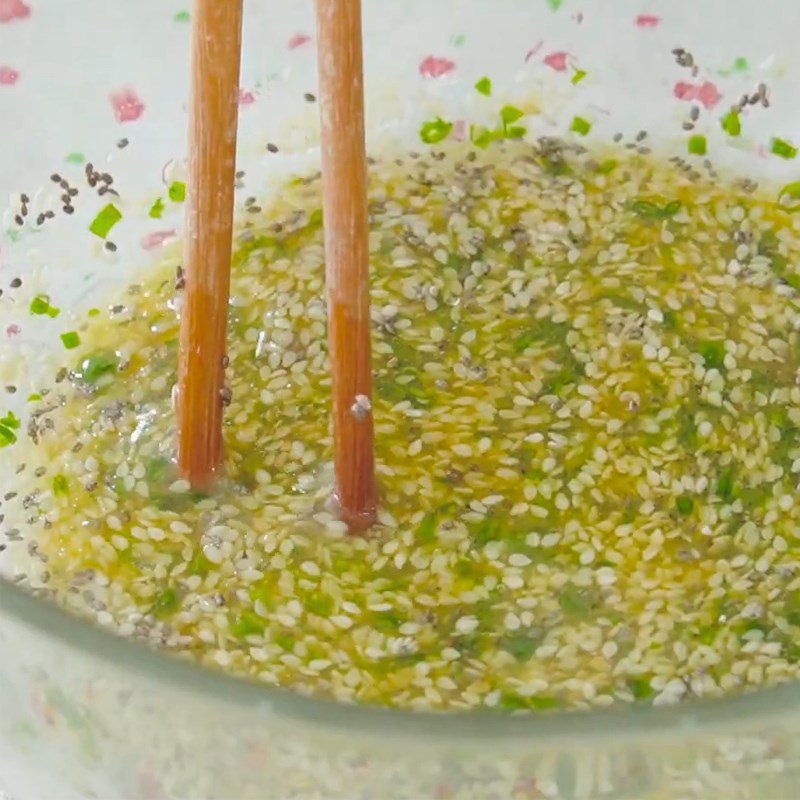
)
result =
(696, 717)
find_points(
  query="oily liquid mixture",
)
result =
(588, 431)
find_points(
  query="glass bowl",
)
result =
(84, 714)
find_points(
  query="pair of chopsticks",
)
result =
(215, 60)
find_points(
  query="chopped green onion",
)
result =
(522, 646)
(177, 191)
(76, 158)
(555, 4)
(731, 123)
(670, 319)
(509, 114)
(167, 602)
(199, 565)
(573, 602)
(105, 220)
(640, 688)
(60, 485)
(684, 504)
(726, 488)
(320, 604)
(698, 145)
(782, 148)
(644, 208)
(580, 125)
(181, 16)
(435, 130)
(792, 192)
(516, 131)
(713, 353)
(8, 424)
(10, 421)
(740, 64)
(70, 339)
(427, 529)
(247, 624)
(40, 305)
(458, 40)
(484, 86)
(609, 165)
(32, 398)
(93, 368)
(7, 436)
(579, 75)
(480, 136)
(156, 468)
(93, 312)
(157, 209)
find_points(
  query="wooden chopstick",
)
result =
(341, 89)
(216, 53)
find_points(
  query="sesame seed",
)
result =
(466, 624)
(583, 417)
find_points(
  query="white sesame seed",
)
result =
(513, 581)
(466, 624)
(512, 621)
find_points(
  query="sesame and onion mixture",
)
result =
(587, 419)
